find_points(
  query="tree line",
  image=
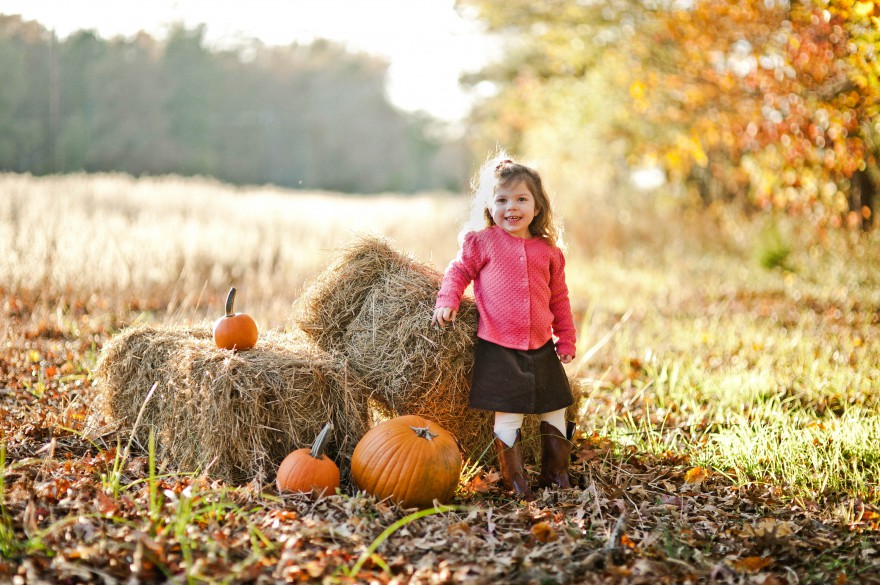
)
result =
(305, 115)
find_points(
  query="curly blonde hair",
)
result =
(501, 171)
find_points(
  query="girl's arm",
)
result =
(459, 274)
(560, 306)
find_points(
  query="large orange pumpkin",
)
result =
(309, 470)
(408, 459)
(234, 331)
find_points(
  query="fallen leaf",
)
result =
(752, 564)
(485, 482)
(675, 501)
(768, 527)
(868, 515)
(697, 475)
(543, 532)
(314, 568)
(585, 455)
(104, 504)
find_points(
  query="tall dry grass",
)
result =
(189, 239)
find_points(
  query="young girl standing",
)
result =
(518, 275)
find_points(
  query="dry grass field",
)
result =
(186, 240)
(731, 367)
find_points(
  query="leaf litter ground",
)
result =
(76, 511)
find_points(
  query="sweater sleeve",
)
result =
(460, 273)
(560, 306)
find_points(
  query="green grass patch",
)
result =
(809, 456)
(764, 375)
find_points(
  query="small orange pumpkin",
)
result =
(309, 470)
(234, 331)
(408, 459)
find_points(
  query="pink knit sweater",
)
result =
(519, 286)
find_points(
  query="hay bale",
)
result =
(129, 364)
(239, 413)
(374, 304)
(333, 300)
(409, 365)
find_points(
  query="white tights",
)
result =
(508, 423)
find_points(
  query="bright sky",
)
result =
(427, 43)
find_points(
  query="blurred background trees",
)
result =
(307, 116)
(771, 104)
(767, 104)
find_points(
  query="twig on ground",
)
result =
(612, 553)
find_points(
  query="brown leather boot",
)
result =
(555, 454)
(510, 460)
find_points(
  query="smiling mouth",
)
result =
(513, 218)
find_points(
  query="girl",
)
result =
(518, 275)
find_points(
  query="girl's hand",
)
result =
(566, 358)
(444, 315)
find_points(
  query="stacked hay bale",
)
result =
(374, 305)
(237, 413)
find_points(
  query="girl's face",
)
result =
(513, 208)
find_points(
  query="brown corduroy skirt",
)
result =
(523, 381)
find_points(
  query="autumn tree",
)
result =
(769, 103)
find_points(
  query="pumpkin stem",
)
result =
(321, 441)
(230, 300)
(424, 433)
